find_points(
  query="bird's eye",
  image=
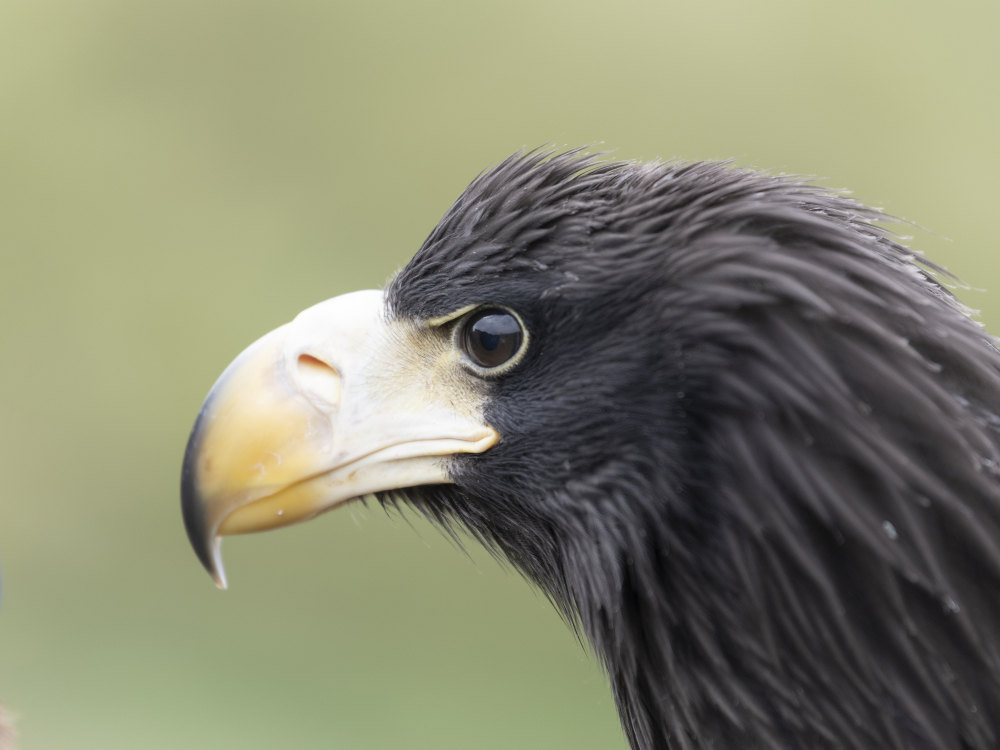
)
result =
(491, 337)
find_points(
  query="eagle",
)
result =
(746, 441)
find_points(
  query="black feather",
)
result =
(752, 451)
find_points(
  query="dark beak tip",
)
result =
(202, 539)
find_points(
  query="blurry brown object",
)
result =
(7, 733)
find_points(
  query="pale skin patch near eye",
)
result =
(411, 353)
(440, 321)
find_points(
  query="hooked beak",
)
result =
(333, 406)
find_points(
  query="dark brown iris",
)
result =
(491, 337)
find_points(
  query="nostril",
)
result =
(318, 379)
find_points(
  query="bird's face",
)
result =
(466, 387)
(355, 397)
(342, 402)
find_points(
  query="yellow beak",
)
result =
(338, 404)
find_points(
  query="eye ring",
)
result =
(493, 339)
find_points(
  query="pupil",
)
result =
(492, 337)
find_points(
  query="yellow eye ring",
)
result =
(492, 338)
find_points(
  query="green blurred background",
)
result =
(178, 177)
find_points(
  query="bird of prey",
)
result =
(746, 441)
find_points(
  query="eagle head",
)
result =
(743, 439)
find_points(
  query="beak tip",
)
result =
(218, 572)
(207, 546)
